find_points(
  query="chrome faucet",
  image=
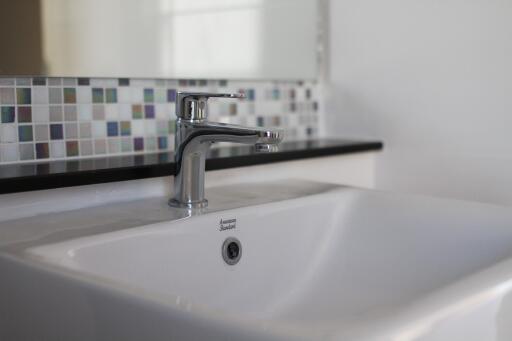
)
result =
(194, 136)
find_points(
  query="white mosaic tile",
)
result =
(57, 149)
(83, 94)
(8, 133)
(84, 112)
(8, 152)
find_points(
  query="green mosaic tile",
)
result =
(137, 111)
(161, 95)
(172, 126)
(97, 95)
(126, 128)
(69, 95)
(23, 95)
(72, 148)
(7, 114)
(111, 95)
(149, 95)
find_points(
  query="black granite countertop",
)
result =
(55, 174)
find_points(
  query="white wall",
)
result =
(433, 79)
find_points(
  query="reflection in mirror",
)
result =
(230, 39)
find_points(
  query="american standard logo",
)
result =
(227, 224)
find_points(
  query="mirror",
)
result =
(200, 39)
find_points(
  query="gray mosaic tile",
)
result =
(114, 145)
(98, 112)
(7, 81)
(69, 81)
(42, 132)
(53, 81)
(23, 81)
(85, 130)
(7, 96)
(71, 130)
(55, 95)
(70, 113)
(86, 147)
(100, 146)
(27, 151)
(56, 113)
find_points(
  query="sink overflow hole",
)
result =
(231, 250)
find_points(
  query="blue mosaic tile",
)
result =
(162, 142)
(42, 150)
(251, 94)
(56, 132)
(25, 133)
(149, 96)
(138, 144)
(149, 111)
(97, 95)
(276, 94)
(112, 129)
(171, 95)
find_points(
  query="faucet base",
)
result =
(199, 204)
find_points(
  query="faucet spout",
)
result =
(209, 132)
(193, 140)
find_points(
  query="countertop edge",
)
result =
(142, 169)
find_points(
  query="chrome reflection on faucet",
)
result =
(194, 136)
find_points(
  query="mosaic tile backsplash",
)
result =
(45, 119)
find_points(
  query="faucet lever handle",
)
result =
(193, 105)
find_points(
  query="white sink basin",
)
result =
(345, 264)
